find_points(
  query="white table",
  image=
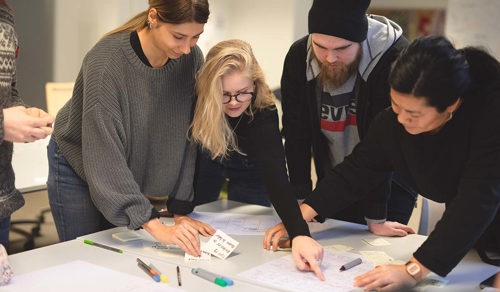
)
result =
(465, 277)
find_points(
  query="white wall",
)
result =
(269, 26)
(474, 23)
(78, 25)
(270, 31)
(410, 4)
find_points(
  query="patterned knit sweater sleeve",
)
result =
(8, 54)
(10, 198)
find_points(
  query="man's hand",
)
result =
(273, 236)
(203, 228)
(26, 125)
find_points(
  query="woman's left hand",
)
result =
(385, 278)
(390, 228)
(203, 228)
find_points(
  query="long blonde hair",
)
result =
(210, 127)
(169, 11)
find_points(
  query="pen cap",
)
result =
(228, 281)
(220, 282)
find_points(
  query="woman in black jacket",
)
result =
(442, 135)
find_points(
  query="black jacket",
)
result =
(301, 120)
(459, 166)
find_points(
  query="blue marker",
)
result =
(148, 271)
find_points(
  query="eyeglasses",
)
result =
(239, 97)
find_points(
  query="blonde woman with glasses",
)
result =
(236, 125)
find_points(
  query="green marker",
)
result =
(102, 246)
(209, 276)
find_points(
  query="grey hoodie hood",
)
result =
(382, 34)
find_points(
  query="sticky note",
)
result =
(221, 245)
(377, 241)
(338, 247)
(204, 256)
(377, 257)
(126, 236)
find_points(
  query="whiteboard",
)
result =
(31, 165)
(474, 23)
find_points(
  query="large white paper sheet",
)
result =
(282, 274)
(237, 224)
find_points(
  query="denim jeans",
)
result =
(72, 207)
(4, 231)
(245, 182)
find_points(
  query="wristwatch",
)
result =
(414, 270)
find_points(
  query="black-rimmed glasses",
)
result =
(239, 97)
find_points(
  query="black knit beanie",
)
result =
(345, 19)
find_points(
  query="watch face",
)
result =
(413, 269)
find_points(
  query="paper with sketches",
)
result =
(237, 224)
(220, 245)
(282, 274)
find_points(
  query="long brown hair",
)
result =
(169, 11)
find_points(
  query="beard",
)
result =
(334, 77)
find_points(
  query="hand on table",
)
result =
(308, 255)
(203, 228)
(273, 236)
(385, 278)
(183, 234)
(26, 125)
(390, 228)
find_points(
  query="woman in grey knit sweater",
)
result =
(121, 141)
(17, 123)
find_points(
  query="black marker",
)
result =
(350, 264)
(179, 282)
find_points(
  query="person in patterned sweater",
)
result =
(17, 122)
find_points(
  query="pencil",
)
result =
(90, 242)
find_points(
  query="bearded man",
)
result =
(333, 84)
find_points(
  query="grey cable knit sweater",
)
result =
(10, 198)
(124, 131)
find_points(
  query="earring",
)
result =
(149, 24)
(451, 116)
